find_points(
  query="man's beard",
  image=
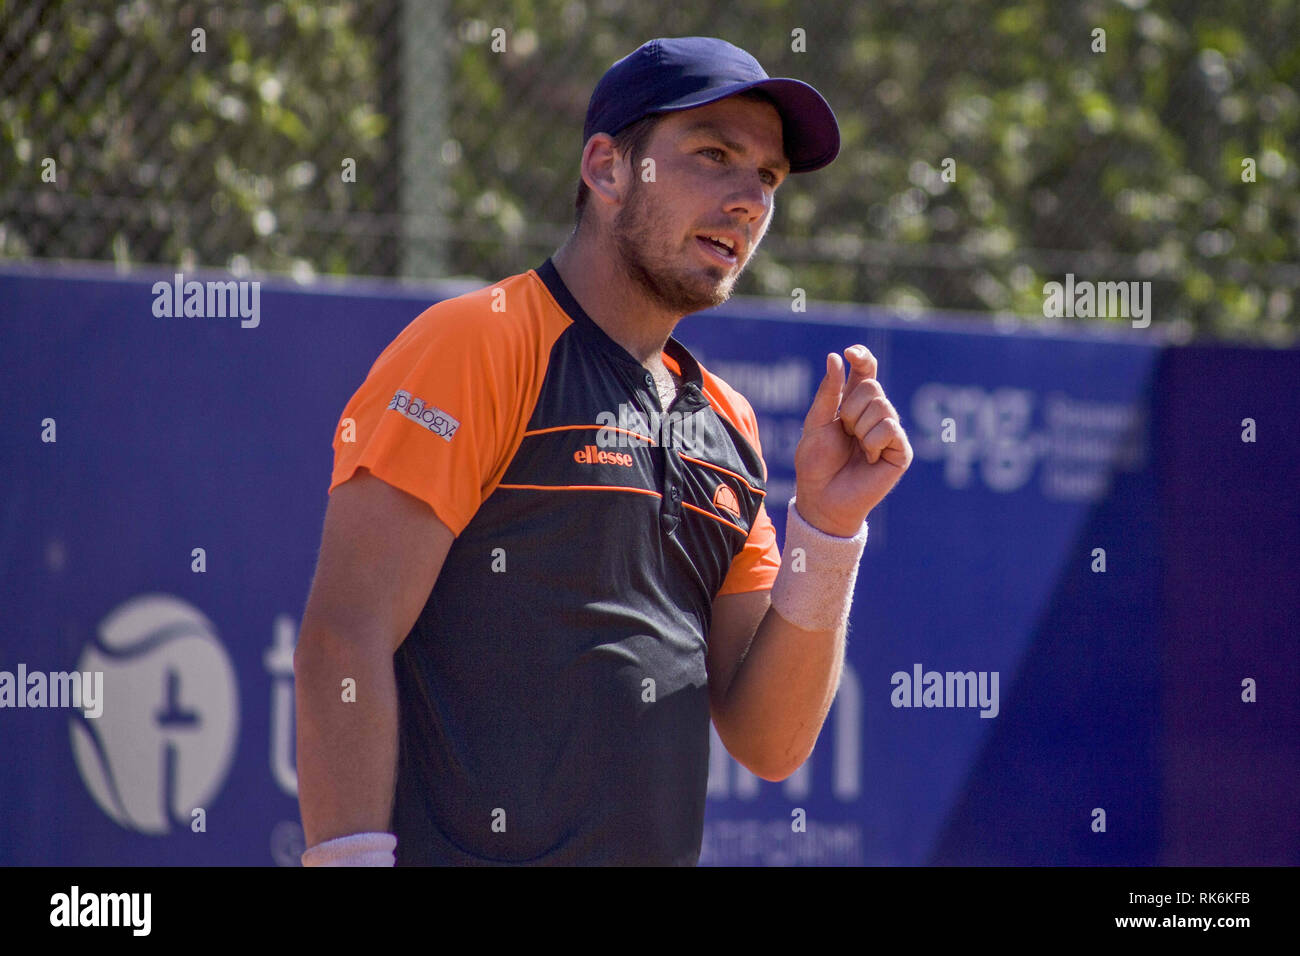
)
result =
(634, 234)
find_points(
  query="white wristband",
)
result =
(814, 588)
(359, 849)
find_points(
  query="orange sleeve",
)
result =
(755, 567)
(444, 407)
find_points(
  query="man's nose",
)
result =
(751, 198)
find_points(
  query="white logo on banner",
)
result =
(1003, 436)
(171, 715)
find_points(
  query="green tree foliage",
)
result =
(226, 157)
(1122, 164)
(1128, 163)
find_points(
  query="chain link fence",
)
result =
(988, 148)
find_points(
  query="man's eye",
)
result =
(712, 149)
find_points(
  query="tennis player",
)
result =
(547, 560)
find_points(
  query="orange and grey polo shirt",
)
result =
(553, 696)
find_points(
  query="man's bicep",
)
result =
(381, 552)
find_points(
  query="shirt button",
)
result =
(649, 379)
(675, 494)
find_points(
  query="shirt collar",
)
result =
(690, 368)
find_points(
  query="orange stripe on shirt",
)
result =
(561, 428)
(710, 514)
(725, 471)
(639, 491)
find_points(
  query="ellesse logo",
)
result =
(724, 499)
(591, 455)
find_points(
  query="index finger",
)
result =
(862, 366)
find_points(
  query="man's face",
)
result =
(717, 168)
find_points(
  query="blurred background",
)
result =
(1100, 138)
(1102, 517)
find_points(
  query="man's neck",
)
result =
(614, 301)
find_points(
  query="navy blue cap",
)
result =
(681, 73)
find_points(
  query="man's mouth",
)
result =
(719, 248)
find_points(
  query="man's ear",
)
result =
(603, 170)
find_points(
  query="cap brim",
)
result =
(812, 134)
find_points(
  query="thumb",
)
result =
(826, 402)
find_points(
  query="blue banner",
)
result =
(1072, 638)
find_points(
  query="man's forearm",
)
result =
(347, 750)
(781, 694)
